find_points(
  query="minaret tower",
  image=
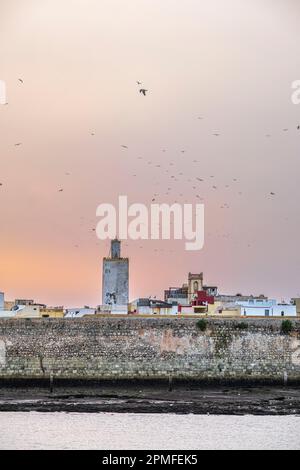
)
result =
(115, 286)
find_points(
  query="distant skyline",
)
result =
(217, 123)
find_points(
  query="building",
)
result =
(115, 285)
(251, 306)
(151, 307)
(211, 290)
(1, 301)
(240, 298)
(22, 311)
(21, 308)
(79, 312)
(52, 312)
(230, 310)
(177, 295)
(277, 310)
(256, 302)
(186, 294)
(24, 302)
(195, 284)
(203, 304)
(296, 302)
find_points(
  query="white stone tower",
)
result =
(115, 285)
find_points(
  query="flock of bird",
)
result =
(173, 177)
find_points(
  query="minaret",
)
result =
(115, 285)
(116, 249)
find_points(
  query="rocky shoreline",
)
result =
(261, 400)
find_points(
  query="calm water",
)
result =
(138, 431)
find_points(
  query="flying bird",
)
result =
(139, 83)
(20, 80)
(124, 146)
(143, 91)
(17, 145)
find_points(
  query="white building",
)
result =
(152, 307)
(257, 302)
(79, 312)
(21, 311)
(280, 310)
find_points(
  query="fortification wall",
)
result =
(135, 348)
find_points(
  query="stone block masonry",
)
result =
(96, 349)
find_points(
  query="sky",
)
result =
(229, 63)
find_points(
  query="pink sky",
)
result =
(231, 63)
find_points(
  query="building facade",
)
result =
(279, 310)
(195, 284)
(188, 293)
(79, 312)
(152, 307)
(115, 279)
(177, 295)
